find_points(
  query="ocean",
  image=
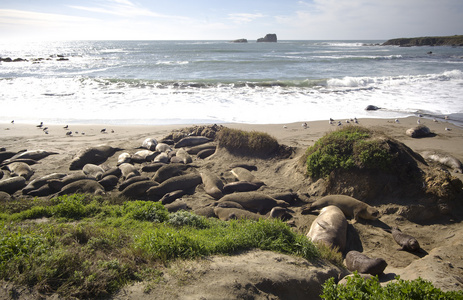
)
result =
(192, 82)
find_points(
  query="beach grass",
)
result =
(249, 143)
(89, 246)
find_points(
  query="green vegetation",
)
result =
(251, 143)
(358, 288)
(87, 246)
(347, 148)
(454, 40)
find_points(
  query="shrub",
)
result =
(359, 288)
(251, 143)
(146, 211)
(349, 147)
(184, 218)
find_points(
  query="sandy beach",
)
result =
(441, 241)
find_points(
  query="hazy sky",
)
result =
(227, 20)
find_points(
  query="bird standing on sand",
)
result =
(40, 125)
(304, 125)
(418, 121)
(103, 130)
(397, 120)
(12, 121)
(66, 127)
(69, 133)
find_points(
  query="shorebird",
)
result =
(45, 128)
(339, 123)
(418, 121)
(66, 127)
(40, 125)
(397, 120)
(284, 126)
(69, 133)
(112, 130)
(12, 121)
(103, 130)
(304, 125)
(448, 129)
(434, 120)
(356, 121)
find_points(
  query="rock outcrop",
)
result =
(240, 41)
(455, 40)
(270, 38)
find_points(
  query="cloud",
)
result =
(12, 16)
(241, 18)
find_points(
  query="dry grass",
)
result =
(253, 143)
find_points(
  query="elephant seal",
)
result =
(128, 170)
(190, 141)
(231, 213)
(183, 156)
(254, 201)
(407, 242)
(93, 171)
(356, 261)
(34, 154)
(419, 131)
(213, 186)
(196, 149)
(109, 182)
(92, 155)
(172, 196)
(240, 186)
(13, 184)
(372, 107)
(5, 155)
(58, 184)
(243, 174)
(245, 166)
(131, 180)
(163, 157)
(112, 171)
(143, 156)
(4, 197)
(167, 171)
(149, 144)
(124, 158)
(28, 161)
(137, 189)
(351, 207)
(205, 153)
(181, 182)
(152, 167)
(444, 159)
(278, 213)
(176, 206)
(330, 227)
(163, 147)
(20, 169)
(84, 186)
(39, 182)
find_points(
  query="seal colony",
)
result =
(221, 185)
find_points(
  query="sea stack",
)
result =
(269, 38)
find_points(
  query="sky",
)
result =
(228, 20)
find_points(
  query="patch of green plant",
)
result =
(166, 242)
(250, 143)
(346, 148)
(146, 211)
(185, 218)
(359, 288)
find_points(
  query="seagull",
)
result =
(339, 123)
(12, 121)
(347, 121)
(103, 130)
(418, 121)
(446, 117)
(46, 131)
(397, 120)
(448, 129)
(69, 133)
(112, 130)
(284, 126)
(40, 125)
(331, 119)
(356, 121)
(434, 120)
(304, 125)
(66, 127)
(45, 128)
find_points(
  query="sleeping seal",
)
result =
(92, 155)
(254, 201)
(213, 186)
(330, 227)
(351, 207)
(356, 261)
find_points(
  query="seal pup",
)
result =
(93, 171)
(351, 207)
(407, 242)
(128, 170)
(92, 155)
(213, 185)
(163, 147)
(356, 261)
(418, 131)
(254, 201)
(144, 156)
(124, 158)
(183, 156)
(162, 157)
(444, 159)
(330, 227)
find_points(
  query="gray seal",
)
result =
(39, 182)
(20, 169)
(84, 186)
(190, 141)
(93, 171)
(407, 242)
(34, 154)
(167, 171)
(356, 261)
(150, 144)
(128, 170)
(243, 174)
(330, 227)
(240, 186)
(92, 155)
(137, 189)
(351, 207)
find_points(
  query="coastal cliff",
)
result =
(455, 40)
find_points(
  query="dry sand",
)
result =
(441, 242)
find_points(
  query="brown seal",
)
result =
(351, 207)
(84, 186)
(356, 261)
(128, 171)
(13, 184)
(240, 186)
(407, 242)
(92, 155)
(167, 171)
(182, 182)
(330, 227)
(20, 169)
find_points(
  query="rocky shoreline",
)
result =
(455, 40)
